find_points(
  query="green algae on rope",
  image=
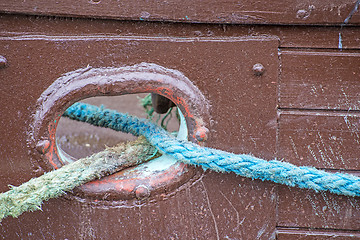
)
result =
(30, 195)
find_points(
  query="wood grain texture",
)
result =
(221, 206)
(319, 139)
(299, 208)
(326, 12)
(320, 79)
(289, 36)
(216, 207)
(315, 234)
(198, 59)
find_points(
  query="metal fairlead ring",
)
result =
(90, 82)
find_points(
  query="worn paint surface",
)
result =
(321, 139)
(210, 11)
(290, 112)
(337, 73)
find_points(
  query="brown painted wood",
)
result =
(307, 209)
(34, 62)
(198, 59)
(289, 37)
(40, 49)
(325, 12)
(315, 234)
(320, 139)
(210, 209)
(320, 79)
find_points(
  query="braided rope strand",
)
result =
(217, 160)
(30, 195)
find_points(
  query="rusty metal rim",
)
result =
(91, 82)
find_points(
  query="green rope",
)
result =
(30, 195)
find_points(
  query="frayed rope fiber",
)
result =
(30, 195)
(217, 160)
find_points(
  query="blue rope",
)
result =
(217, 160)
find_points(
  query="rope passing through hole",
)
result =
(217, 160)
(30, 195)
